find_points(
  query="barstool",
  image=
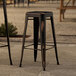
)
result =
(39, 18)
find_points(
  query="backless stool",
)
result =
(7, 35)
(39, 18)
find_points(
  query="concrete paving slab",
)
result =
(67, 58)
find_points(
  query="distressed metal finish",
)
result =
(39, 18)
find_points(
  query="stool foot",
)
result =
(20, 65)
(35, 55)
(44, 69)
(58, 63)
(11, 63)
(34, 60)
(10, 57)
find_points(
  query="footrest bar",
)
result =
(3, 46)
(29, 45)
(32, 49)
(50, 48)
(38, 49)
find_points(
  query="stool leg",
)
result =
(36, 31)
(26, 20)
(6, 25)
(14, 3)
(8, 45)
(42, 36)
(18, 2)
(54, 38)
(60, 15)
(23, 2)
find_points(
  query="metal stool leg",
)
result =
(43, 25)
(36, 31)
(6, 25)
(42, 36)
(26, 20)
(18, 2)
(54, 38)
(28, 2)
(8, 45)
(14, 3)
(23, 2)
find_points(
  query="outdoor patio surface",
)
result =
(66, 43)
(67, 58)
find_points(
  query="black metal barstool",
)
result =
(39, 18)
(7, 35)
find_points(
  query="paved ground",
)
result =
(67, 58)
(66, 42)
